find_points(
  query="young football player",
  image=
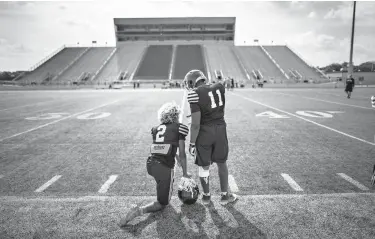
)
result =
(208, 132)
(169, 135)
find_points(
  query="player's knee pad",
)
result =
(203, 172)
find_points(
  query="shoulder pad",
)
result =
(193, 97)
(183, 129)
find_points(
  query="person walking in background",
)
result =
(349, 85)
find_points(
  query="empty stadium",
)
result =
(73, 157)
(159, 49)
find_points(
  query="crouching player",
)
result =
(166, 137)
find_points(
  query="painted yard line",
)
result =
(107, 184)
(291, 182)
(310, 121)
(354, 182)
(58, 120)
(232, 183)
(47, 184)
(327, 101)
(147, 198)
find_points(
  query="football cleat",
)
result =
(373, 101)
(228, 198)
(188, 191)
(192, 78)
(206, 199)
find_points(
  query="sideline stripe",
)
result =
(47, 184)
(108, 183)
(327, 101)
(291, 182)
(53, 122)
(313, 122)
(232, 183)
(147, 198)
(354, 182)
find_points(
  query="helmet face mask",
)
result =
(188, 191)
(192, 78)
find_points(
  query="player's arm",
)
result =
(195, 125)
(182, 157)
(183, 132)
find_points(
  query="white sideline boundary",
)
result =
(307, 120)
(143, 198)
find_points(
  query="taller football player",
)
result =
(208, 132)
(167, 137)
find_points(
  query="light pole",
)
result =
(352, 41)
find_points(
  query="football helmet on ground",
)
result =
(188, 191)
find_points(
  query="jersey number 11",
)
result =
(213, 103)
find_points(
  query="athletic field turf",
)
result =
(73, 162)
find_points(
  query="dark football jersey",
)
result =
(209, 99)
(165, 139)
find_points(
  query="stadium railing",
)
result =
(45, 59)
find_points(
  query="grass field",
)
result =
(73, 162)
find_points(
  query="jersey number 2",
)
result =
(160, 134)
(213, 103)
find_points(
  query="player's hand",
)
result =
(192, 149)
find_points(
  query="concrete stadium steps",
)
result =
(54, 65)
(155, 63)
(188, 57)
(89, 62)
(124, 59)
(221, 57)
(289, 60)
(254, 58)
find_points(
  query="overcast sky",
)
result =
(319, 31)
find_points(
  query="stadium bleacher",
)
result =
(156, 63)
(289, 61)
(221, 58)
(52, 66)
(188, 57)
(139, 61)
(254, 58)
(88, 63)
(124, 60)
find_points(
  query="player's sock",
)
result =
(205, 182)
(223, 176)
